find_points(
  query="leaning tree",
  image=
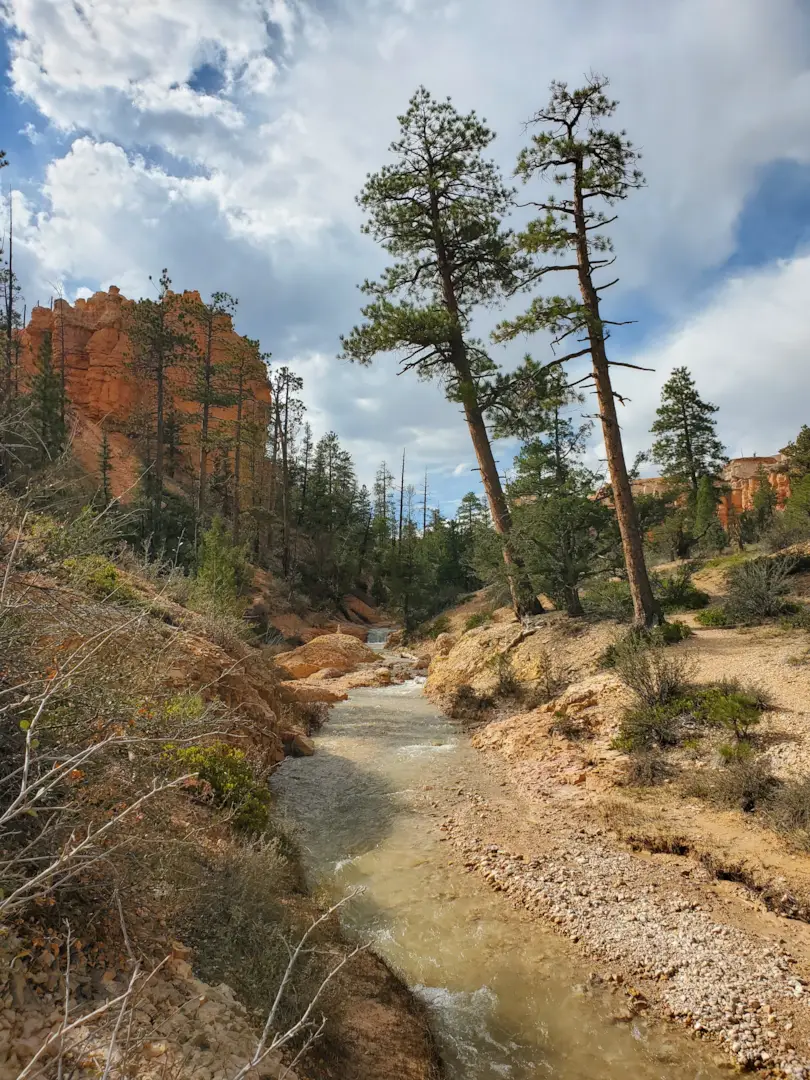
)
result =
(437, 209)
(588, 164)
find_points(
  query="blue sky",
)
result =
(226, 139)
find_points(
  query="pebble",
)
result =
(716, 978)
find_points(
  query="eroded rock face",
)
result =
(741, 478)
(103, 390)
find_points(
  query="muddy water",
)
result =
(508, 998)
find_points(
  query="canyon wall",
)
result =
(740, 478)
(104, 392)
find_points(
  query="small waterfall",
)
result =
(377, 637)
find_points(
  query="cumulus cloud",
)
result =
(250, 187)
(748, 347)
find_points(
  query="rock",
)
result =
(301, 745)
(341, 652)
(102, 387)
(302, 693)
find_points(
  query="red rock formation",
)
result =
(741, 479)
(104, 392)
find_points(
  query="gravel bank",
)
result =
(739, 990)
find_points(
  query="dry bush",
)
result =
(744, 784)
(655, 673)
(647, 768)
(789, 811)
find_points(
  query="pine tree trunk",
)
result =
(524, 599)
(237, 458)
(157, 496)
(202, 478)
(647, 611)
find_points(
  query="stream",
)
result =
(507, 997)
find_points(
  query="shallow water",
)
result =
(506, 996)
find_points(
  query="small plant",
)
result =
(653, 672)
(649, 726)
(672, 632)
(567, 727)
(99, 577)
(647, 768)
(733, 710)
(790, 810)
(715, 617)
(478, 618)
(440, 625)
(231, 780)
(677, 592)
(508, 684)
(607, 599)
(757, 589)
(731, 753)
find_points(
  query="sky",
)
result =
(227, 140)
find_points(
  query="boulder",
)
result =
(341, 652)
(297, 744)
(303, 693)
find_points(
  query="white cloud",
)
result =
(461, 468)
(748, 350)
(256, 187)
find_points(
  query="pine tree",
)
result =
(764, 500)
(437, 210)
(105, 470)
(686, 447)
(798, 454)
(210, 387)
(574, 150)
(46, 403)
(707, 528)
(159, 341)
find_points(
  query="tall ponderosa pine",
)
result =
(210, 387)
(574, 151)
(159, 340)
(686, 446)
(46, 399)
(437, 209)
(104, 470)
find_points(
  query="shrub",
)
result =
(716, 617)
(606, 599)
(757, 589)
(746, 784)
(648, 726)
(654, 673)
(797, 620)
(647, 768)
(222, 571)
(677, 592)
(244, 912)
(733, 710)
(97, 576)
(440, 625)
(478, 618)
(567, 727)
(790, 810)
(231, 780)
(672, 632)
(466, 704)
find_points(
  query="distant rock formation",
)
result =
(103, 391)
(740, 478)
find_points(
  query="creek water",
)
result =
(507, 998)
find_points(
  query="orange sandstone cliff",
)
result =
(105, 394)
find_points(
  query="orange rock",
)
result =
(102, 387)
